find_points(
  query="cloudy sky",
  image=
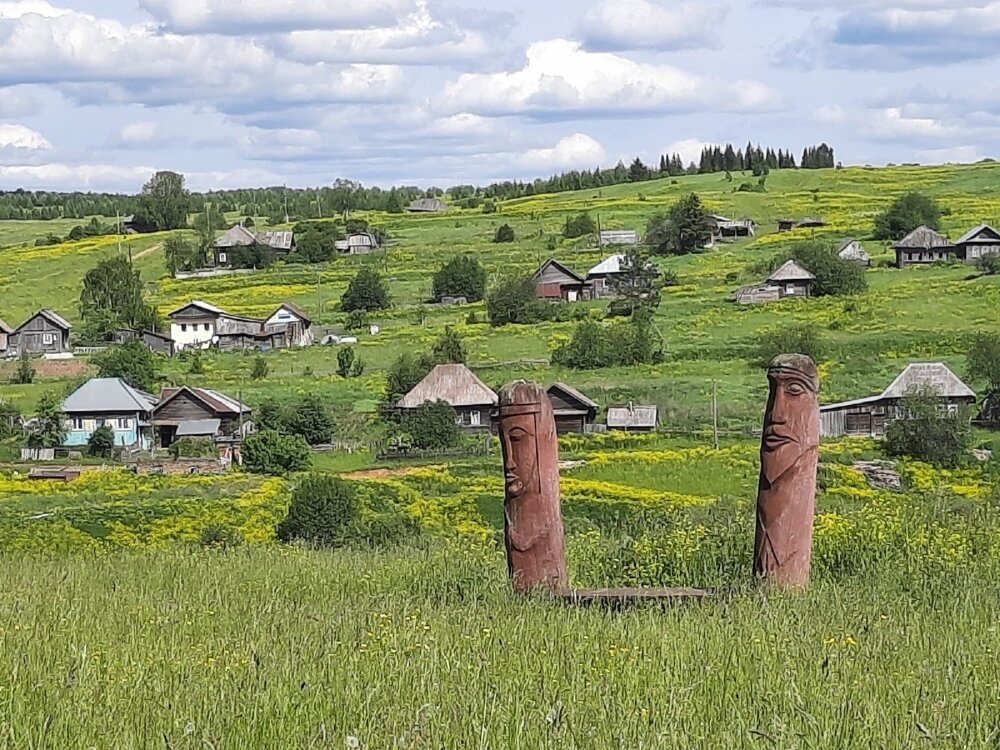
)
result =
(96, 94)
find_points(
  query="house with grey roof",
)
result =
(854, 252)
(869, 417)
(5, 332)
(633, 418)
(573, 411)
(628, 237)
(456, 385)
(922, 246)
(113, 403)
(427, 206)
(977, 243)
(45, 332)
(279, 242)
(789, 280)
(199, 413)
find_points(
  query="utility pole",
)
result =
(319, 205)
(286, 204)
(715, 414)
(118, 221)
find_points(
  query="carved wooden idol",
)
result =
(533, 529)
(789, 452)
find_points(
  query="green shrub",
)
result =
(367, 291)
(929, 433)
(25, 372)
(260, 369)
(834, 275)
(324, 511)
(269, 452)
(462, 276)
(193, 447)
(431, 426)
(580, 225)
(101, 441)
(515, 301)
(908, 212)
(219, 536)
(793, 339)
(504, 233)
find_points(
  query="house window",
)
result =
(123, 423)
(790, 289)
(49, 339)
(474, 418)
(208, 327)
(184, 327)
(77, 424)
(222, 258)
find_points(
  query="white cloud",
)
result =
(136, 64)
(461, 125)
(641, 24)
(572, 152)
(139, 133)
(417, 39)
(57, 175)
(889, 124)
(15, 102)
(14, 136)
(280, 143)
(688, 149)
(950, 155)
(20, 8)
(235, 16)
(561, 79)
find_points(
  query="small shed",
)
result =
(978, 243)
(456, 385)
(573, 411)
(554, 281)
(922, 246)
(869, 417)
(45, 332)
(158, 343)
(427, 205)
(792, 280)
(745, 227)
(633, 418)
(358, 243)
(786, 225)
(853, 251)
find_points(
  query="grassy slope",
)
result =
(915, 313)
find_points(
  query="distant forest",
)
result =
(279, 203)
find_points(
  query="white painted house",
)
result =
(194, 325)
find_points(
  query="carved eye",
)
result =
(794, 389)
(518, 434)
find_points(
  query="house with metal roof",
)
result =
(573, 411)
(113, 403)
(922, 246)
(199, 412)
(358, 243)
(427, 205)
(869, 417)
(977, 243)
(456, 385)
(633, 418)
(45, 332)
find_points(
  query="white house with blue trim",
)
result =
(112, 402)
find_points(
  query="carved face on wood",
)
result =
(518, 440)
(791, 424)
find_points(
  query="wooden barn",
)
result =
(554, 281)
(790, 280)
(158, 343)
(868, 417)
(573, 411)
(978, 243)
(198, 412)
(854, 252)
(45, 332)
(358, 243)
(921, 246)
(726, 227)
(456, 385)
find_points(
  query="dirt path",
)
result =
(147, 251)
(379, 473)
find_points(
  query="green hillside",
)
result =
(917, 313)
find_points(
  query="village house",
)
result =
(113, 403)
(628, 237)
(45, 332)
(554, 281)
(790, 280)
(158, 343)
(200, 325)
(199, 413)
(427, 205)
(601, 278)
(854, 252)
(194, 325)
(358, 243)
(921, 246)
(633, 418)
(978, 243)
(573, 411)
(279, 242)
(293, 319)
(456, 385)
(868, 417)
(5, 332)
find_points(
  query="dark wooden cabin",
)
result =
(45, 332)
(158, 343)
(181, 409)
(573, 411)
(554, 281)
(978, 243)
(921, 246)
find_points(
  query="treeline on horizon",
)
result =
(278, 203)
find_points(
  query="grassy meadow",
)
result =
(119, 629)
